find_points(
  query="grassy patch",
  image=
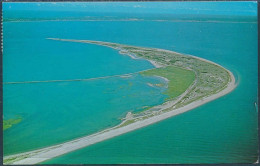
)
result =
(179, 79)
(10, 122)
(127, 122)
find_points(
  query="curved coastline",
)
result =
(40, 155)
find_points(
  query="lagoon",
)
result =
(221, 131)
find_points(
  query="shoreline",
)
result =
(40, 155)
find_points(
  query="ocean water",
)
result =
(62, 111)
(222, 131)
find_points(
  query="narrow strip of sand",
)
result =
(74, 80)
(44, 154)
(41, 155)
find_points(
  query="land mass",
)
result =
(192, 81)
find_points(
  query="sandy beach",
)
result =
(41, 155)
(37, 156)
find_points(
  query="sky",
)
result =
(213, 8)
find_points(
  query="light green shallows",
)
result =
(10, 122)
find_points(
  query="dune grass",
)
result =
(179, 79)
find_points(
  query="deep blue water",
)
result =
(221, 131)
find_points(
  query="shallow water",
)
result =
(221, 131)
(61, 111)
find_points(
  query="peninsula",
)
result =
(191, 82)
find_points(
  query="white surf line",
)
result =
(37, 156)
(84, 79)
(44, 154)
(88, 20)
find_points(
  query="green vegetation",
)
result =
(10, 122)
(127, 123)
(179, 79)
(187, 75)
(190, 78)
(13, 159)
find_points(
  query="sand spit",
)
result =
(37, 156)
(41, 155)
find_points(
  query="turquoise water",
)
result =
(221, 131)
(63, 111)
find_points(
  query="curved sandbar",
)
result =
(212, 81)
